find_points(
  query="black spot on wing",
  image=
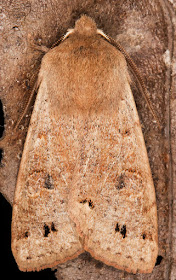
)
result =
(89, 201)
(46, 230)
(117, 229)
(144, 236)
(53, 227)
(26, 234)
(121, 229)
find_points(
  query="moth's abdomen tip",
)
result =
(85, 26)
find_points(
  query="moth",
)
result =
(84, 182)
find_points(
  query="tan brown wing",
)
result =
(112, 200)
(112, 197)
(42, 232)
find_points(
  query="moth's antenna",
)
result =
(43, 49)
(135, 72)
(26, 105)
(70, 31)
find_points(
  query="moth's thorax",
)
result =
(87, 72)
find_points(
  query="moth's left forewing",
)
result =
(43, 234)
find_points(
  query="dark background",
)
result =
(8, 264)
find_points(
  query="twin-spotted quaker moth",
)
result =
(84, 181)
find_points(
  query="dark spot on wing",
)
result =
(144, 236)
(120, 229)
(120, 184)
(117, 229)
(83, 201)
(127, 132)
(91, 205)
(46, 230)
(123, 231)
(49, 184)
(26, 234)
(89, 201)
(53, 227)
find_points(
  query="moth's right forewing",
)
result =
(112, 197)
(42, 232)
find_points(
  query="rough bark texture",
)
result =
(146, 30)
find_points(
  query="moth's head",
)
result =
(85, 26)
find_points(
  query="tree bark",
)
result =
(146, 30)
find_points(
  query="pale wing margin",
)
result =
(112, 200)
(42, 232)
